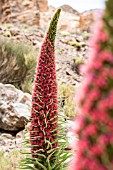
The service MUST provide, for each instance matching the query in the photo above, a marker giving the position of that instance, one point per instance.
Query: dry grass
(10, 160)
(24, 57)
(66, 103)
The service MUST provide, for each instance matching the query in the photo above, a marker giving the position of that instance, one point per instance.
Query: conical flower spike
(44, 116)
(95, 122)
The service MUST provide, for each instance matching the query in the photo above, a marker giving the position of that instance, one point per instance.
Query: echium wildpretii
(48, 141)
(95, 122)
(44, 115)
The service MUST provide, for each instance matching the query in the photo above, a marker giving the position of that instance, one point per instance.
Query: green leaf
(42, 166)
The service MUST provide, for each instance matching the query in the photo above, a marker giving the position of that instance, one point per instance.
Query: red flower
(44, 98)
(95, 122)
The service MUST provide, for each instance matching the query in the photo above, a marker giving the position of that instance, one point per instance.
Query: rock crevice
(19, 11)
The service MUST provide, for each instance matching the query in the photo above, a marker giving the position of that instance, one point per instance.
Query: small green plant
(8, 25)
(64, 33)
(7, 34)
(86, 35)
(76, 44)
(30, 62)
(76, 63)
(66, 103)
(79, 60)
(61, 51)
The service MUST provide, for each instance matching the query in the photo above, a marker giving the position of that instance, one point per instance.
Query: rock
(2, 142)
(6, 139)
(70, 24)
(68, 8)
(88, 17)
(14, 108)
(20, 11)
(18, 142)
(6, 135)
(20, 134)
(1, 4)
(43, 5)
(65, 33)
(35, 42)
(14, 31)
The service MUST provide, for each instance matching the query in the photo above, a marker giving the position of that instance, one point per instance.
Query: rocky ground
(70, 48)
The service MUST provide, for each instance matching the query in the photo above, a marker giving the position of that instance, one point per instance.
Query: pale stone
(14, 108)
(20, 11)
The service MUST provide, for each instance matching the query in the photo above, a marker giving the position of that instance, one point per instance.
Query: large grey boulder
(14, 107)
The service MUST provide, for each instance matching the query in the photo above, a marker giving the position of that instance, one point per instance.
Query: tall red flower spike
(44, 115)
(95, 122)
